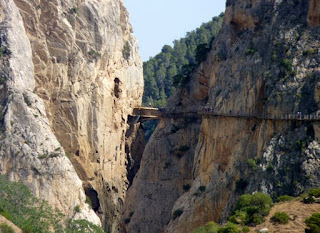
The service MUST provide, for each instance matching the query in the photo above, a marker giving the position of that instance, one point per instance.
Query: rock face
(263, 66)
(70, 75)
(29, 150)
(314, 13)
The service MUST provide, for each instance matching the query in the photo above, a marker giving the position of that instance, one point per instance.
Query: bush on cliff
(280, 217)
(314, 192)
(212, 227)
(4, 228)
(313, 223)
(284, 198)
(251, 209)
(34, 215)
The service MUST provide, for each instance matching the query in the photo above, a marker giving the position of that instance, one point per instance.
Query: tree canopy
(164, 72)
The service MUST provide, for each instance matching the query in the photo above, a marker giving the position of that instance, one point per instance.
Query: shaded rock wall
(265, 63)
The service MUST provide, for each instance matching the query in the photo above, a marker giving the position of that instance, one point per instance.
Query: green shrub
(94, 54)
(239, 217)
(210, 227)
(5, 214)
(284, 198)
(270, 168)
(313, 223)
(80, 226)
(312, 51)
(34, 215)
(4, 52)
(88, 201)
(126, 51)
(280, 217)
(6, 228)
(257, 219)
(2, 80)
(303, 195)
(252, 163)
(251, 50)
(314, 192)
(77, 209)
(308, 200)
(251, 209)
(245, 229)
(27, 228)
(202, 52)
(27, 211)
(186, 187)
(181, 79)
(286, 64)
(229, 228)
(73, 10)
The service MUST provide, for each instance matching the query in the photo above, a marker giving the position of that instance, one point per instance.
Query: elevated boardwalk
(141, 114)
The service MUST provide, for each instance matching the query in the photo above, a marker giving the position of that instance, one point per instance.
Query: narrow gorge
(71, 75)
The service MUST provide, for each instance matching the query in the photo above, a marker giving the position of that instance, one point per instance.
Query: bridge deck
(145, 114)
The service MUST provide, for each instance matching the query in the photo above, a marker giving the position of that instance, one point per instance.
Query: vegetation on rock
(212, 227)
(5, 228)
(172, 65)
(80, 226)
(313, 223)
(31, 214)
(285, 198)
(251, 209)
(280, 217)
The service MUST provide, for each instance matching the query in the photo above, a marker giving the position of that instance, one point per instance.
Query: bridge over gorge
(141, 114)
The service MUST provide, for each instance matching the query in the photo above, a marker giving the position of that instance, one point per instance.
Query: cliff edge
(70, 75)
(263, 66)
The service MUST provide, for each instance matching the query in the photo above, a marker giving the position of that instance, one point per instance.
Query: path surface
(146, 113)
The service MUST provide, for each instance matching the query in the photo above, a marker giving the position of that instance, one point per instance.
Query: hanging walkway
(141, 114)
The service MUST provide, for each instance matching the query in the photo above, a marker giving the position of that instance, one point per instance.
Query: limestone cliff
(70, 75)
(264, 65)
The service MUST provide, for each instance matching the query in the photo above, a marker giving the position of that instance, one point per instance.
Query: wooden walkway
(141, 114)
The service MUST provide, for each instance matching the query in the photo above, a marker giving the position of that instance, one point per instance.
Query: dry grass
(297, 211)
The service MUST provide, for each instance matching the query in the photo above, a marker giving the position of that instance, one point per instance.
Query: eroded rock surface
(263, 66)
(71, 76)
(29, 150)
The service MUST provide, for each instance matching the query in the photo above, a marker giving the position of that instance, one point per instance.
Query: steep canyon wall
(71, 73)
(264, 63)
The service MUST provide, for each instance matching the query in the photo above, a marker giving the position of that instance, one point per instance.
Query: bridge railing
(178, 111)
(297, 116)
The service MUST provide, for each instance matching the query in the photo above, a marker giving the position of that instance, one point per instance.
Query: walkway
(141, 114)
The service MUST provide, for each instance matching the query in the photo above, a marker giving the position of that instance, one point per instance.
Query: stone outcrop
(264, 63)
(314, 13)
(29, 150)
(70, 75)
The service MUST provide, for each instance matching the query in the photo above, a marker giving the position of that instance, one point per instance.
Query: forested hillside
(163, 73)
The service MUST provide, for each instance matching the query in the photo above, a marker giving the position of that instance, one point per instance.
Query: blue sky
(159, 22)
